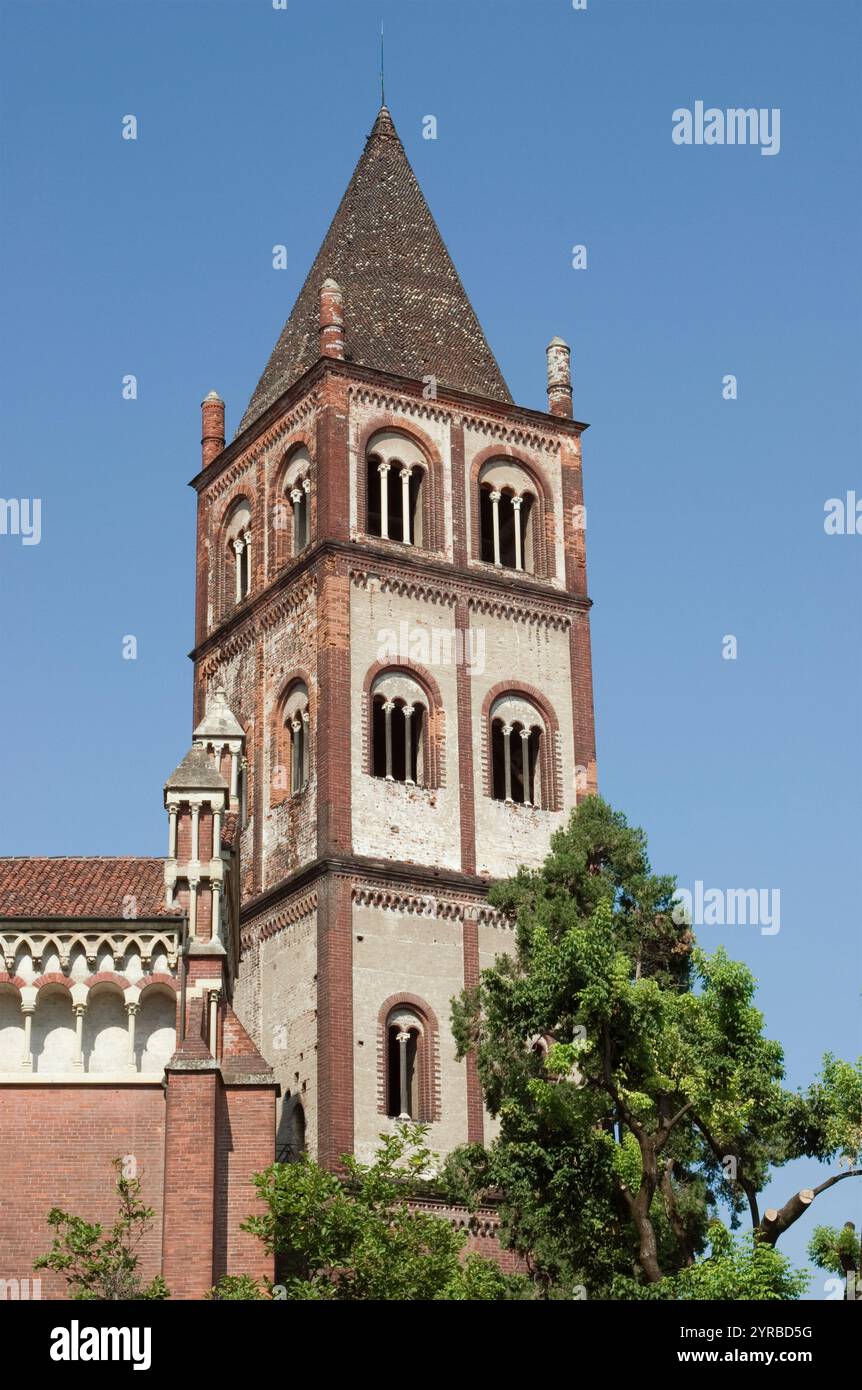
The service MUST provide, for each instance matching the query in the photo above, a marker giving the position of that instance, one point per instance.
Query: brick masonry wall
(56, 1147)
(327, 622)
(244, 1127)
(393, 952)
(392, 820)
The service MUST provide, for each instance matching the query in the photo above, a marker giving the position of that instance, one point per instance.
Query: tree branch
(776, 1221)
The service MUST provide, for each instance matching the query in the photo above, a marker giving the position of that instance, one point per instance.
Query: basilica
(392, 707)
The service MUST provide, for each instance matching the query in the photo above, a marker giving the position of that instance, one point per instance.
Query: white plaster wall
(393, 820)
(53, 1034)
(106, 1034)
(11, 1032)
(507, 836)
(155, 1032)
(404, 952)
(288, 1017)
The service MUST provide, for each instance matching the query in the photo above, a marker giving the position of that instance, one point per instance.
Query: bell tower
(391, 590)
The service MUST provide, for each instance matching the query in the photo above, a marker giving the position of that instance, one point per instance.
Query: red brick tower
(391, 587)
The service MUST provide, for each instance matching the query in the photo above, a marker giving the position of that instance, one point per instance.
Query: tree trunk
(648, 1254)
(676, 1222)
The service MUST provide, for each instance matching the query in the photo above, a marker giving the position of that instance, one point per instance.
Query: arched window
(290, 1139)
(517, 737)
(295, 755)
(293, 507)
(405, 1059)
(507, 507)
(399, 729)
(396, 486)
(237, 543)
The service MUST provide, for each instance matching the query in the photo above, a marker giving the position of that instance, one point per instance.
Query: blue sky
(705, 516)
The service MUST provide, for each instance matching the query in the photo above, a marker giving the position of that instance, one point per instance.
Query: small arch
(105, 1041)
(292, 511)
(236, 553)
(400, 490)
(156, 1028)
(512, 513)
(291, 739)
(290, 1139)
(412, 724)
(52, 1037)
(408, 1060)
(520, 734)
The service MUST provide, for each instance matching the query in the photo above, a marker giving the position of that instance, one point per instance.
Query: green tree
(356, 1235)
(839, 1252)
(104, 1266)
(630, 1073)
(735, 1268)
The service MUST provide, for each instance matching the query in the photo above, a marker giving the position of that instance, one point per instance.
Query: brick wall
(56, 1147)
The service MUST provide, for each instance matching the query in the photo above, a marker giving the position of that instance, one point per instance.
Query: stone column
(132, 1013)
(27, 1010)
(295, 755)
(238, 547)
(516, 507)
(193, 905)
(525, 765)
(405, 505)
(403, 1043)
(387, 714)
(296, 496)
(383, 470)
(507, 759)
(408, 746)
(79, 1012)
(495, 506)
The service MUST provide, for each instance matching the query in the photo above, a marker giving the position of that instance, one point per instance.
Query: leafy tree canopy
(357, 1235)
(630, 1074)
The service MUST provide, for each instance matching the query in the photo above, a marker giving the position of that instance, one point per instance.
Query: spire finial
(382, 87)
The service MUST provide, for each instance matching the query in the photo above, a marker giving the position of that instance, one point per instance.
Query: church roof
(82, 887)
(219, 720)
(196, 773)
(405, 309)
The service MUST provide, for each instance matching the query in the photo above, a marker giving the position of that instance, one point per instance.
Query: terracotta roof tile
(405, 309)
(82, 887)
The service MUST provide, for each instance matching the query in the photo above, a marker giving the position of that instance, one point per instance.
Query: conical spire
(405, 309)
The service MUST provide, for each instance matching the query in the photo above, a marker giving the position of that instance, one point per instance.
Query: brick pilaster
(334, 710)
(475, 1108)
(335, 1020)
(190, 1137)
(459, 494)
(466, 784)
